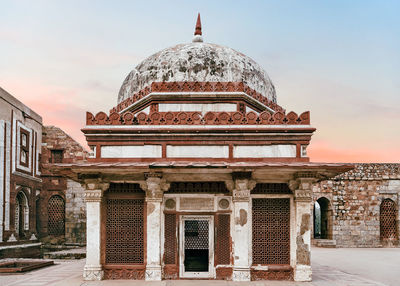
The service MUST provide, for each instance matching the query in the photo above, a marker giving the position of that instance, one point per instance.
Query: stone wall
(355, 198)
(75, 217)
(71, 192)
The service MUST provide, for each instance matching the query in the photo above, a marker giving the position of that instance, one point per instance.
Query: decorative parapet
(196, 118)
(197, 87)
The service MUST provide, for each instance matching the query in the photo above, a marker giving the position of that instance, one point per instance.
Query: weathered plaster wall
(355, 199)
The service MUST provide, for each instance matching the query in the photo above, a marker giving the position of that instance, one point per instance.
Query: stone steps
(75, 253)
(326, 243)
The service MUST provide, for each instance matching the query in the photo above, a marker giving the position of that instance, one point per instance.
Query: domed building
(198, 173)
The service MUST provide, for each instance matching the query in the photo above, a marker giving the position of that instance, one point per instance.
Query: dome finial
(197, 32)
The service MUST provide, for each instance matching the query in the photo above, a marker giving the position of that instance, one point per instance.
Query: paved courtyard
(343, 266)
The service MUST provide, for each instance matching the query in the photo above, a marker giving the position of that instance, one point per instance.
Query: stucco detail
(303, 251)
(242, 219)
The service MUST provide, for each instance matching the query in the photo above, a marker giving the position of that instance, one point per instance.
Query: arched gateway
(198, 173)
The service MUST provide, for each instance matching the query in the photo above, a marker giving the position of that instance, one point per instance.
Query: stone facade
(59, 147)
(20, 182)
(355, 198)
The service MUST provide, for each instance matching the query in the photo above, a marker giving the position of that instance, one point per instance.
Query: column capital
(301, 185)
(154, 186)
(93, 195)
(241, 189)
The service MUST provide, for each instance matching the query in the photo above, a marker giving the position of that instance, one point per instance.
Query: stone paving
(331, 267)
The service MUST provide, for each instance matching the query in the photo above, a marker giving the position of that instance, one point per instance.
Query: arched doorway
(56, 216)
(322, 219)
(388, 224)
(21, 214)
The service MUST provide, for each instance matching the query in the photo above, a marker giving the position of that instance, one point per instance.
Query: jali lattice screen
(125, 231)
(56, 216)
(388, 223)
(170, 243)
(223, 245)
(271, 231)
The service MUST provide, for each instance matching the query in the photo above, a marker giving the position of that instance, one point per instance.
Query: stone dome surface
(200, 62)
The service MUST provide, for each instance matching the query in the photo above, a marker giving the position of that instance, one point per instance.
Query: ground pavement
(331, 267)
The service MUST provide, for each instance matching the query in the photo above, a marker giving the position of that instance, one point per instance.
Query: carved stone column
(242, 185)
(302, 188)
(93, 269)
(154, 186)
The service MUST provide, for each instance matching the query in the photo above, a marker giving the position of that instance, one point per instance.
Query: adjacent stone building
(20, 182)
(34, 203)
(62, 212)
(358, 208)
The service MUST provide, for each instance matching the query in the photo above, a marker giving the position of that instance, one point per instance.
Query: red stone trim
(274, 272)
(196, 87)
(196, 118)
(132, 272)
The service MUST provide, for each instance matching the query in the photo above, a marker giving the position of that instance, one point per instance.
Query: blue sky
(338, 59)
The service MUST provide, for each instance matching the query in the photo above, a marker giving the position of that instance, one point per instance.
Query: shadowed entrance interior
(196, 246)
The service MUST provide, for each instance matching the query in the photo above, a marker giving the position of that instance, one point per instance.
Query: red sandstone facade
(198, 173)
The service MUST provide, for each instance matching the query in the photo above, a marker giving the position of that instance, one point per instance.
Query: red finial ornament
(198, 26)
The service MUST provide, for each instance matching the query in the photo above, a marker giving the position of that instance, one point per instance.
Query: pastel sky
(338, 59)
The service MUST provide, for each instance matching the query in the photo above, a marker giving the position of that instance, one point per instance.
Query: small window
(56, 156)
(24, 147)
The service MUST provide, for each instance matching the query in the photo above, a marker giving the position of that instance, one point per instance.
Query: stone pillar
(302, 188)
(242, 226)
(154, 187)
(93, 269)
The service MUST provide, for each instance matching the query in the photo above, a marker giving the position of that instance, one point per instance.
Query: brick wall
(355, 198)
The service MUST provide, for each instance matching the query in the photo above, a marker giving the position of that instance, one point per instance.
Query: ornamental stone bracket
(241, 186)
(154, 186)
(301, 185)
(94, 190)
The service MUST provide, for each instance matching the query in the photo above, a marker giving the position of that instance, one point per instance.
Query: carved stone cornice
(152, 175)
(93, 195)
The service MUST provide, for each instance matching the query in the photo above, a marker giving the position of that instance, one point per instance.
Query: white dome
(200, 62)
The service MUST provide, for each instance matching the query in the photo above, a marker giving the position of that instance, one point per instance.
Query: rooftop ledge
(197, 118)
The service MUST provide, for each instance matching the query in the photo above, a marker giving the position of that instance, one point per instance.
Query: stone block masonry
(355, 199)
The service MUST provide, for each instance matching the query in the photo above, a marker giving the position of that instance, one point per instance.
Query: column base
(94, 273)
(153, 273)
(302, 273)
(241, 274)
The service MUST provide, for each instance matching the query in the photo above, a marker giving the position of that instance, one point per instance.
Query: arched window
(56, 216)
(21, 214)
(322, 219)
(388, 224)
